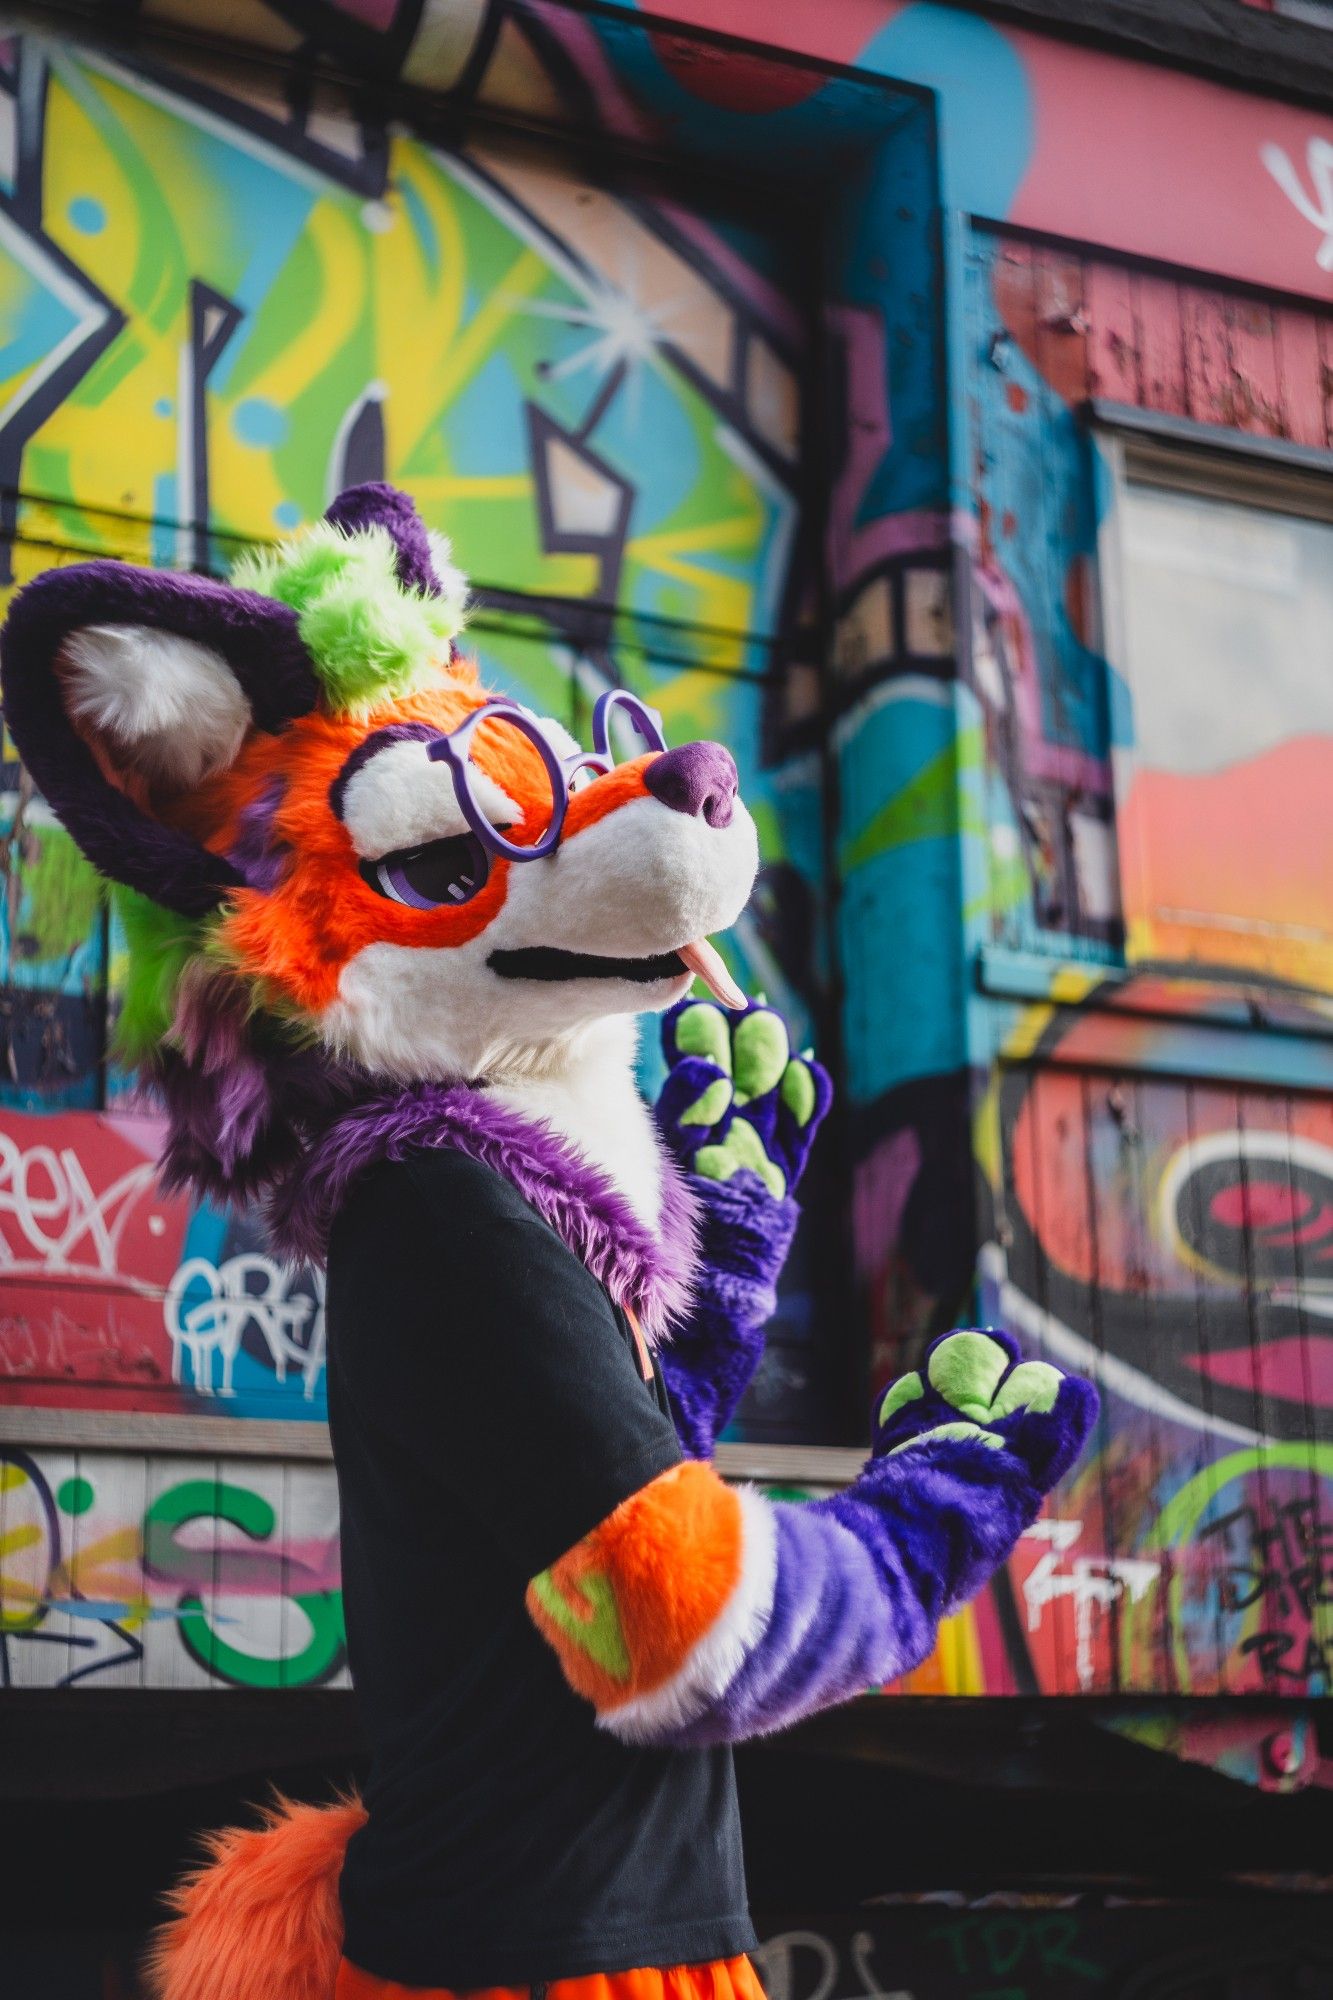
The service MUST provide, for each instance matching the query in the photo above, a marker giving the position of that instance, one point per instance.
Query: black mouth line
(546, 961)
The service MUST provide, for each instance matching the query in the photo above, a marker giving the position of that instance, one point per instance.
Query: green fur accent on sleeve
(160, 946)
(368, 638)
(597, 1631)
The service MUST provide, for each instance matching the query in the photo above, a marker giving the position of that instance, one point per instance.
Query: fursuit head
(338, 859)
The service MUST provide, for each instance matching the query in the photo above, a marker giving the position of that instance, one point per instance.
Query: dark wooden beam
(1224, 40)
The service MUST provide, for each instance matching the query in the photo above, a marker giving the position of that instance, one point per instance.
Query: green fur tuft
(369, 639)
(160, 944)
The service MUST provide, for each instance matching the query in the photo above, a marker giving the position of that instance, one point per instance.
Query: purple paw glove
(736, 1100)
(974, 1386)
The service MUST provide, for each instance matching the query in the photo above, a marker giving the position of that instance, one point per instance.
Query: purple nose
(698, 779)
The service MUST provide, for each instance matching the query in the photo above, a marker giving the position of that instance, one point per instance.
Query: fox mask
(257, 765)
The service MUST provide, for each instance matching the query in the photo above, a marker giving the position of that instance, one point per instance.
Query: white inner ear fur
(452, 582)
(556, 735)
(401, 799)
(161, 706)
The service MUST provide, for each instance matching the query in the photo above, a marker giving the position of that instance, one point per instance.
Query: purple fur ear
(256, 636)
(242, 1098)
(376, 505)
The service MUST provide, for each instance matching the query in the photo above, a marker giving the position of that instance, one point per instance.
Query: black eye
(440, 872)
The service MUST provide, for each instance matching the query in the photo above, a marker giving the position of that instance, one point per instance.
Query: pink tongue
(705, 960)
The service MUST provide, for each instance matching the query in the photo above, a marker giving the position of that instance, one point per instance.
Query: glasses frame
(452, 750)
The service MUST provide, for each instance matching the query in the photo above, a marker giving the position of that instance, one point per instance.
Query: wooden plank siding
(1159, 342)
(1168, 1224)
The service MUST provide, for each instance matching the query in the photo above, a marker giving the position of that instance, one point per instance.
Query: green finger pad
(967, 1369)
(798, 1091)
(961, 1432)
(1034, 1385)
(907, 1389)
(702, 1031)
(762, 1050)
(742, 1147)
(710, 1105)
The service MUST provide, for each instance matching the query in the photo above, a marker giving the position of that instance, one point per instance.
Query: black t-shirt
(488, 1409)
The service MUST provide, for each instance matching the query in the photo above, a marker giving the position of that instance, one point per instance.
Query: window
(1219, 587)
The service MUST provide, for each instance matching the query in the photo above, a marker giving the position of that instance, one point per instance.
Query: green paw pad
(742, 1147)
(991, 1439)
(762, 1051)
(701, 1030)
(711, 1105)
(907, 1389)
(798, 1091)
(1034, 1385)
(967, 1369)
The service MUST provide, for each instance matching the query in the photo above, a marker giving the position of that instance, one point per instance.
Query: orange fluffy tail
(260, 1920)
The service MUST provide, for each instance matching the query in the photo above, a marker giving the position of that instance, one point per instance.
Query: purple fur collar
(649, 1273)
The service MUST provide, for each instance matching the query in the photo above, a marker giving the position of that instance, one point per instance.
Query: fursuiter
(389, 935)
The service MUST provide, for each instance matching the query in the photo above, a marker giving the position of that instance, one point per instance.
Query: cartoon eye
(442, 871)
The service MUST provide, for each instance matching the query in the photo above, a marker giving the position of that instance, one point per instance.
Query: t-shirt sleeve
(468, 1338)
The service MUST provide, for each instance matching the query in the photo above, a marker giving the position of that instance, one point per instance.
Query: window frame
(1208, 462)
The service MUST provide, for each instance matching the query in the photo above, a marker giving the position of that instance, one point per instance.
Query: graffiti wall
(1169, 1565)
(1170, 1233)
(228, 298)
(948, 1946)
(735, 406)
(1203, 175)
(168, 1572)
(115, 1295)
(1151, 1151)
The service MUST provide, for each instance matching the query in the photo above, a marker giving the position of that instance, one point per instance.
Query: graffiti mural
(234, 301)
(131, 1572)
(1169, 1233)
(805, 458)
(492, 332)
(952, 1947)
(114, 1295)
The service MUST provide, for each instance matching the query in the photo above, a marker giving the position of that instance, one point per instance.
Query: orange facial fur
(297, 937)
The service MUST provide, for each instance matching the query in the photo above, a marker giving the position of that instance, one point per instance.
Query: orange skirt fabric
(722, 1979)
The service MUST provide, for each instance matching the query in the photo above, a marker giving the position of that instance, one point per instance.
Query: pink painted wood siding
(1158, 342)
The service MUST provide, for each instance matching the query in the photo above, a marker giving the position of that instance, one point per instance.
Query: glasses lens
(509, 779)
(631, 729)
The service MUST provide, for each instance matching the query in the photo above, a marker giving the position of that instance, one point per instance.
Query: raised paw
(735, 1098)
(974, 1386)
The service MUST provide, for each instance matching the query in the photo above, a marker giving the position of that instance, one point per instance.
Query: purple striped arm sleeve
(847, 1593)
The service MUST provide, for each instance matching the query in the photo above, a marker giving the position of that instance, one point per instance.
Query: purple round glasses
(453, 750)
(601, 759)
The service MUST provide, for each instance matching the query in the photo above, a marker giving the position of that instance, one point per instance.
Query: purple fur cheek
(260, 856)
